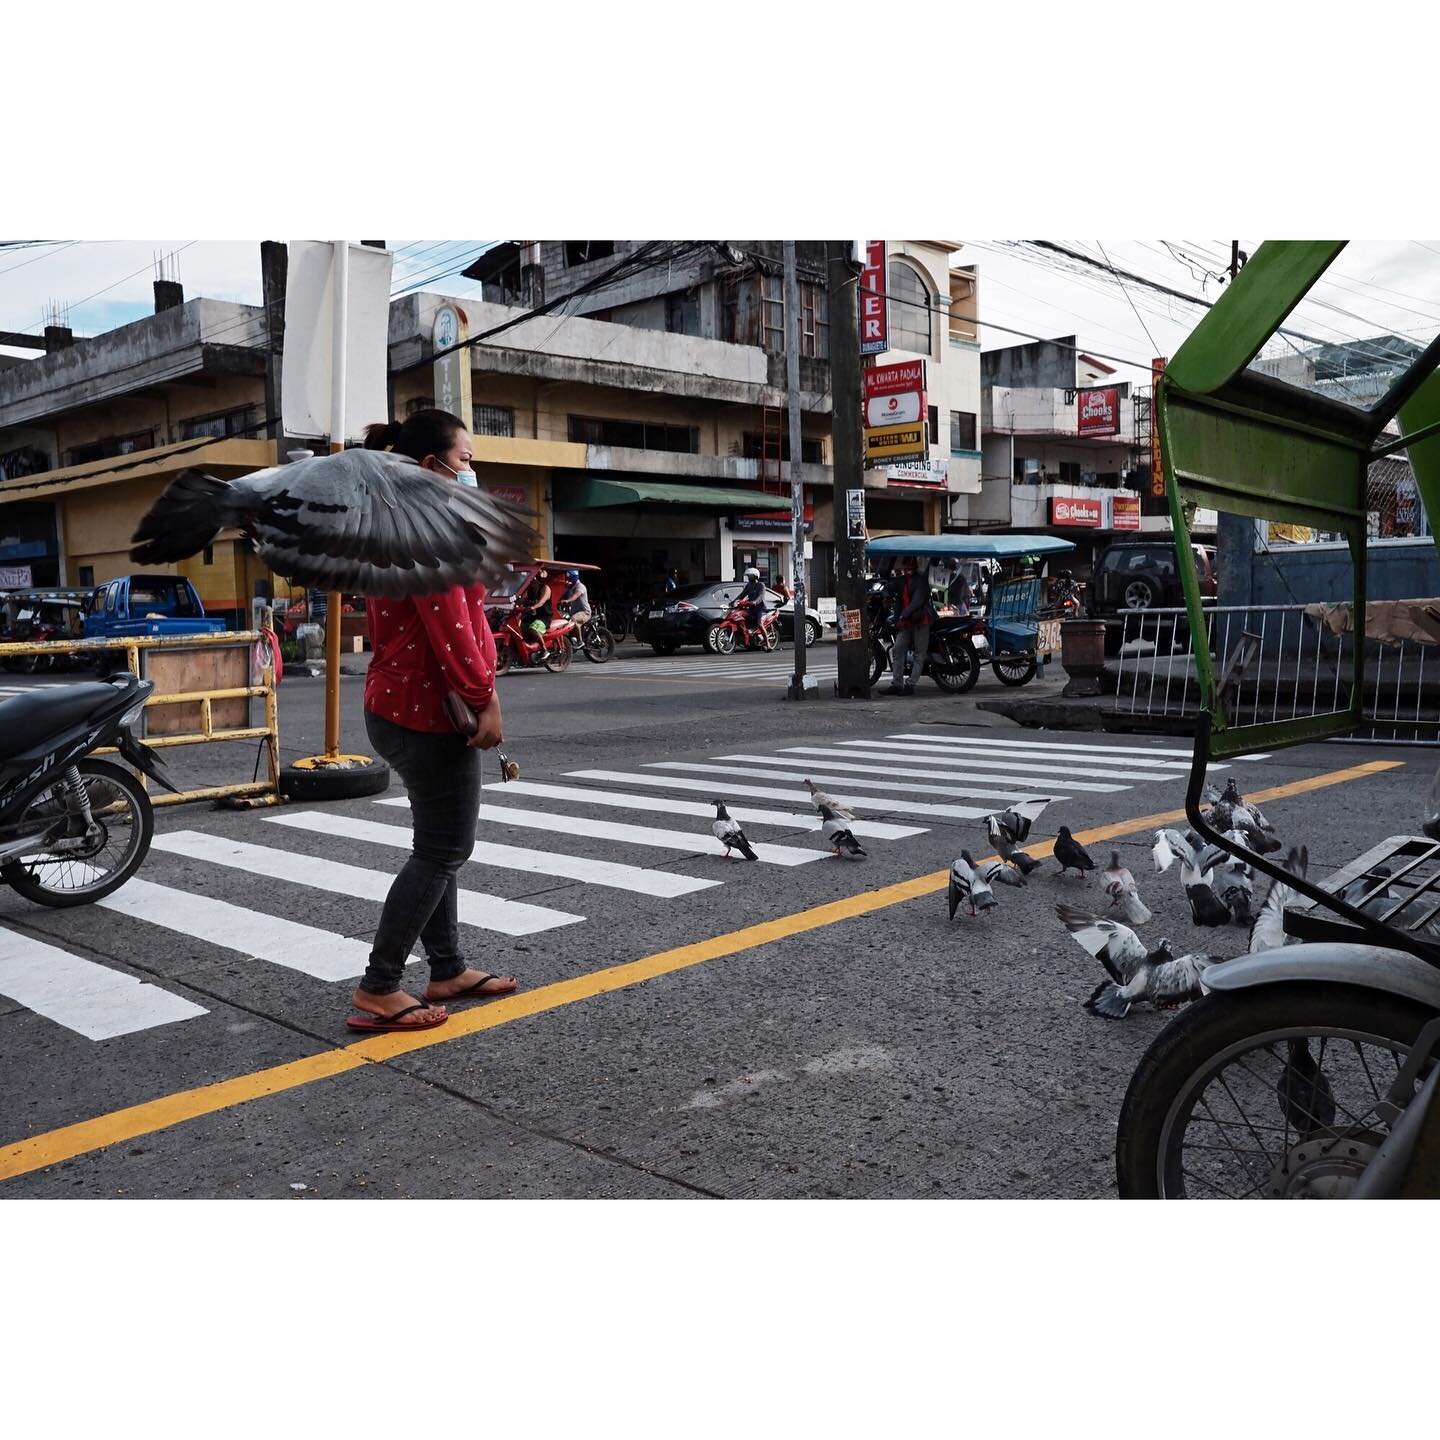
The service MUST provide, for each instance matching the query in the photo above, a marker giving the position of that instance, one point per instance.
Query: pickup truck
(147, 605)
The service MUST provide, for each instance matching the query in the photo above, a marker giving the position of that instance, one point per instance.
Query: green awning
(594, 494)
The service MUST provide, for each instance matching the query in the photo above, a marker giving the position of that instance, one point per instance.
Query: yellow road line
(35, 1153)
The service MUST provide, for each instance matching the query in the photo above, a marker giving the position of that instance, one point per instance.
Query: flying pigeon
(1268, 930)
(821, 800)
(1206, 907)
(1070, 853)
(838, 835)
(997, 872)
(1008, 829)
(1306, 1100)
(967, 884)
(1123, 892)
(366, 522)
(729, 833)
(1136, 973)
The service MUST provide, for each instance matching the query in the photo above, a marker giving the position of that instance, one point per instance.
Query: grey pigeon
(997, 872)
(1228, 811)
(365, 522)
(1120, 886)
(838, 835)
(1197, 874)
(1136, 972)
(729, 833)
(1267, 931)
(1070, 853)
(968, 885)
(1008, 829)
(820, 799)
(1234, 880)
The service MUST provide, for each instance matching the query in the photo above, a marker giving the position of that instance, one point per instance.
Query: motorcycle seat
(27, 720)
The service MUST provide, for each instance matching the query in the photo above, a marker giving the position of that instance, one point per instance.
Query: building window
(105, 449)
(635, 434)
(814, 322)
(493, 420)
(910, 318)
(209, 556)
(682, 313)
(772, 313)
(934, 424)
(87, 574)
(962, 430)
(581, 252)
(812, 451)
(1070, 472)
(218, 427)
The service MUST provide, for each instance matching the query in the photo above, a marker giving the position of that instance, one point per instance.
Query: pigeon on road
(1009, 829)
(1228, 811)
(1267, 932)
(1120, 886)
(967, 884)
(1234, 882)
(1136, 973)
(1070, 853)
(365, 522)
(1197, 878)
(838, 835)
(729, 833)
(997, 872)
(820, 800)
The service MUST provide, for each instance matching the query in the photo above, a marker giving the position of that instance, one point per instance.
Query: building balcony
(1006, 410)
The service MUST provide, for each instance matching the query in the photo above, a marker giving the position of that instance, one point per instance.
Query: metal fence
(1272, 662)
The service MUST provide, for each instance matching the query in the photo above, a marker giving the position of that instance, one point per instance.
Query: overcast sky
(1374, 287)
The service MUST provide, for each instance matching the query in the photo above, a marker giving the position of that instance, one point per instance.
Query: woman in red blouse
(423, 647)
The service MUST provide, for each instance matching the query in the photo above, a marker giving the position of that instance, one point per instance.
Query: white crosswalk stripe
(972, 763)
(1156, 769)
(870, 829)
(608, 873)
(90, 999)
(1033, 784)
(720, 667)
(961, 792)
(487, 912)
(980, 743)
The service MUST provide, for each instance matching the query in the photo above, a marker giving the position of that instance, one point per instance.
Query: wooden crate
(181, 671)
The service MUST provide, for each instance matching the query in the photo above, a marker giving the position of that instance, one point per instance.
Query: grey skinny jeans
(441, 774)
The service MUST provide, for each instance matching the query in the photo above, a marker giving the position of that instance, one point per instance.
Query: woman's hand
(490, 731)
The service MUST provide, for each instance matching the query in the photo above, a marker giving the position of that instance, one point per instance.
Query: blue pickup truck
(147, 605)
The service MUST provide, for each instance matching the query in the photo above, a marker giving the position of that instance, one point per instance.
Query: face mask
(465, 477)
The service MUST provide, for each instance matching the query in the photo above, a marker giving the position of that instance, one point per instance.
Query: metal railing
(1272, 662)
(259, 792)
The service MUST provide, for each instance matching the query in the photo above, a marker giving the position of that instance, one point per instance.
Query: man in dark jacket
(912, 628)
(753, 598)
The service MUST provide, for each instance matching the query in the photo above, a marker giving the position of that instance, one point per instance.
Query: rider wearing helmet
(753, 597)
(575, 601)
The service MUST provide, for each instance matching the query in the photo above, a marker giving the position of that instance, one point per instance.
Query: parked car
(685, 617)
(1141, 575)
(148, 605)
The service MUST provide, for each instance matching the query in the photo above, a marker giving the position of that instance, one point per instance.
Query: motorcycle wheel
(1205, 1118)
(879, 662)
(127, 823)
(557, 660)
(769, 639)
(503, 656)
(599, 644)
(954, 667)
(721, 639)
(1014, 669)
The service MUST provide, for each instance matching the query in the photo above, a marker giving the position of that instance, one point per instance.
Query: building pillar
(727, 550)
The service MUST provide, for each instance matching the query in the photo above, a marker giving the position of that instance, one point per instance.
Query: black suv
(1141, 575)
(685, 618)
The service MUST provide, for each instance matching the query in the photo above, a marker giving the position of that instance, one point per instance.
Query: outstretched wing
(369, 522)
(1028, 812)
(1117, 947)
(1176, 980)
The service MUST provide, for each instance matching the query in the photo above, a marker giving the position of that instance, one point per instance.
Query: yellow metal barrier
(258, 792)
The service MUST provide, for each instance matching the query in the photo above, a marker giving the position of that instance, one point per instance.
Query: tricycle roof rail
(970, 547)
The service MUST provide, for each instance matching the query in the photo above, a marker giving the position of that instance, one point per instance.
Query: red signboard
(874, 321)
(1157, 470)
(1125, 512)
(894, 379)
(1097, 412)
(1065, 511)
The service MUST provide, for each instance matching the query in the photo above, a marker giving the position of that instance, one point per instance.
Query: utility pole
(853, 661)
(797, 690)
(1237, 259)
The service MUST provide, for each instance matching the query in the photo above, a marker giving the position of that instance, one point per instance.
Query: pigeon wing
(1117, 947)
(1175, 980)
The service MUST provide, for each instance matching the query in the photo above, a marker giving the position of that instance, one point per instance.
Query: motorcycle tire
(721, 639)
(879, 662)
(557, 660)
(503, 656)
(769, 639)
(954, 667)
(23, 879)
(598, 643)
(1015, 669)
(1174, 1073)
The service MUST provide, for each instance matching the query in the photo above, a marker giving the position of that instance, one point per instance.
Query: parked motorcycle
(735, 630)
(952, 661)
(74, 828)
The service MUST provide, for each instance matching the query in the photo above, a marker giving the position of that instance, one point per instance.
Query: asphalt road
(687, 1026)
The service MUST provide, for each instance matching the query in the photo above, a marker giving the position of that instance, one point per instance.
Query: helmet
(1064, 575)
(751, 572)
(572, 574)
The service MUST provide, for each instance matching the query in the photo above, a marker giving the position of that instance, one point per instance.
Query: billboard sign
(874, 321)
(1124, 512)
(1157, 469)
(1097, 412)
(1083, 513)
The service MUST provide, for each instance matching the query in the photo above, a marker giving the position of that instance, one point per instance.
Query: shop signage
(452, 371)
(15, 577)
(1124, 512)
(515, 494)
(1067, 511)
(927, 475)
(894, 379)
(895, 420)
(1157, 469)
(767, 520)
(874, 323)
(896, 444)
(1097, 412)
(893, 409)
(855, 514)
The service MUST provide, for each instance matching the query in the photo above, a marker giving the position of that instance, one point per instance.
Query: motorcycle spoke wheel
(1014, 669)
(558, 660)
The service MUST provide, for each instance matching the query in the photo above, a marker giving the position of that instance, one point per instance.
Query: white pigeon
(997, 872)
(1267, 932)
(967, 884)
(820, 799)
(728, 832)
(1124, 893)
(365, 522)
(838, 835)
(1196, 877)
(1136, 972)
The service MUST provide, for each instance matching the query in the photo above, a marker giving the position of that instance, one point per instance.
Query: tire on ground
(334, 782)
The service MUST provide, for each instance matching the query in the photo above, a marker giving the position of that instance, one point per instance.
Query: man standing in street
(912, 629)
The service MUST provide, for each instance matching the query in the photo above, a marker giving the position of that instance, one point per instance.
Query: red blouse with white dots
(424, 646)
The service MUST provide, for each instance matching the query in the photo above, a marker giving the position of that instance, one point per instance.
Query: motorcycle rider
(752, 597)
(575, 602)
(910, 595)
(1066, 592)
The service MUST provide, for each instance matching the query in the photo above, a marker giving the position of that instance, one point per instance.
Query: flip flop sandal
(392, 1022)
(477, 991)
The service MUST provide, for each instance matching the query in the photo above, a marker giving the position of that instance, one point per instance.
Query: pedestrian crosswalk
(774, 665)
(642, 831)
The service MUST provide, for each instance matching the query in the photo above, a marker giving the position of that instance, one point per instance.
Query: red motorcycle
(513, 646)
(735, 629)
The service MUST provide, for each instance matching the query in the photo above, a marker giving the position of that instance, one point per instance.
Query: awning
(594, 494)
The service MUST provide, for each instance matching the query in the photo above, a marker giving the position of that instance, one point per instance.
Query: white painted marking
(968, 756)
(1030, 764)
(311, 951)
(1044, 745)
(90, 999)
(507, 857)
(694, 843)
(488, 912)
(872, 829)
(1035, 784)
(766, 792)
